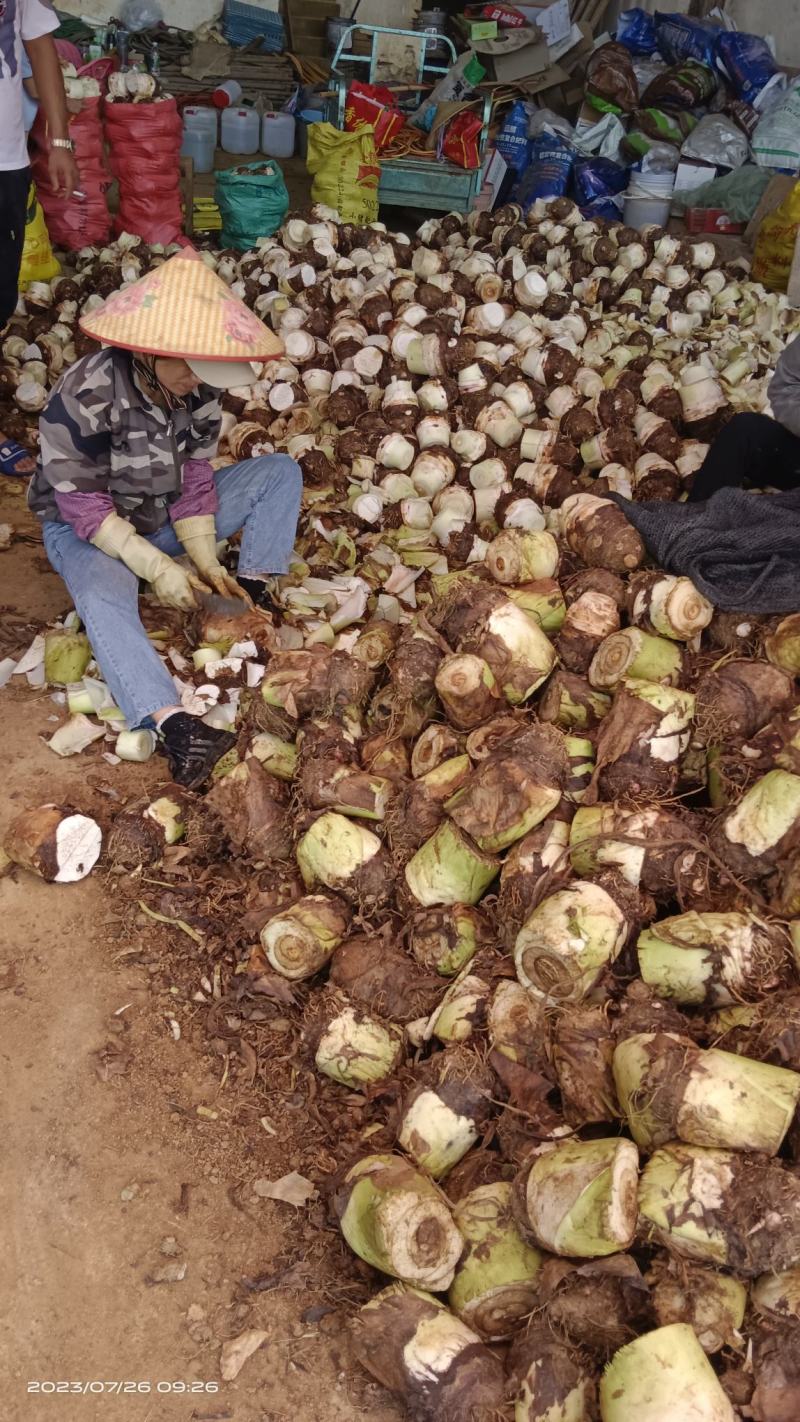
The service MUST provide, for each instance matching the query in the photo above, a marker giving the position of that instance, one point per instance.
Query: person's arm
(193, 513)
(198, 494)
(49, 83)
(784, 388)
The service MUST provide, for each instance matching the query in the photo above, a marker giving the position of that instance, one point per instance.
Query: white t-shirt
(19, 20)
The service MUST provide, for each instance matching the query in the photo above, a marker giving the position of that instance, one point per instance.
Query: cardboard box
(552, 17)
(711, 219)
(473, 29)
(494, 170)
(515, 54)
(690, 175)
(587, 118)
(481, 29)
(550, 78)
(507, 16)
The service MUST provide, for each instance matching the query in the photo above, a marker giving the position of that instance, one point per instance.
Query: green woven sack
(253, 201)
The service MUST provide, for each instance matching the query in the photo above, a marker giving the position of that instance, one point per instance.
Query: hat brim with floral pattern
(182, 309)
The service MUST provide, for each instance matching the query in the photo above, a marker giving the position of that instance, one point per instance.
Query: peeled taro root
(641, 742)
(443, 1118)
(495, 1284)
(534, 867)
(713, 957)
(671, 1090)
(345, 856)
(722, 1207)
(54, 842)
(437, 1365)
(758, 833)
(578, 1198)
(661, 1373)
(396, 1219)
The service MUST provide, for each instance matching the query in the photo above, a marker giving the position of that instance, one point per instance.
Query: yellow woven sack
(345, 169)
(38, 262)
(775, 243)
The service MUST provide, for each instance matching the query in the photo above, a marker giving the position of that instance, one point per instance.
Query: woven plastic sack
(38, 262)
(253, 201)
(775, 243)
(776, 141)
(345, 170)
(145, 147)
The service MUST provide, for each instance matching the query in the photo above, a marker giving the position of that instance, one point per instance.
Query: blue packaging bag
(548, 172)
(748, 62)
(512, 140)
(598, 186)
(679, 37)
(637, 31)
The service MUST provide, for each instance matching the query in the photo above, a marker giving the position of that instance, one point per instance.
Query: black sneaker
(262, 594)
(193, 748)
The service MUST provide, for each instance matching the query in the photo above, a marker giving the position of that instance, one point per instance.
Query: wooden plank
(187, 194)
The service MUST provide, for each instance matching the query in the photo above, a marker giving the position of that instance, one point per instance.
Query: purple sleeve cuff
(199, 493)
(85, 511)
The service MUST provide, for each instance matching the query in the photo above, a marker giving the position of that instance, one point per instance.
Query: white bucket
(648, 199)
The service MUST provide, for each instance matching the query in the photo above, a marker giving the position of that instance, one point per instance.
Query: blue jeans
(260, 496)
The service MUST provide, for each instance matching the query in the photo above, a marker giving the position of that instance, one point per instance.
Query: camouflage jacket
(100, 435)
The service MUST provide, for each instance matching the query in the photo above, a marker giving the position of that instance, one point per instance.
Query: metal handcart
(408, 181)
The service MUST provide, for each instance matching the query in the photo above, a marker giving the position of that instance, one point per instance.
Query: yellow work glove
(171, 584)
(199, 537)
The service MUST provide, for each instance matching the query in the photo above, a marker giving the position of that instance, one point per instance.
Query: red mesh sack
(144, 155)
(81, 222)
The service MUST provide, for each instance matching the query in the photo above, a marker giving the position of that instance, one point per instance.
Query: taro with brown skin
(578, 424)
(378, 976)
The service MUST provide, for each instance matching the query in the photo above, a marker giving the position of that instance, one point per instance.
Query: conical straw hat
(182, 309)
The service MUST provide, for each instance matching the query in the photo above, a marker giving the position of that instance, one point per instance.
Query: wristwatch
(62, 143)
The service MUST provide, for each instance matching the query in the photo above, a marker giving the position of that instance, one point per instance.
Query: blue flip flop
(12, 454)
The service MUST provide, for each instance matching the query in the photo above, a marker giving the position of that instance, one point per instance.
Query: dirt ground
(133, 1243)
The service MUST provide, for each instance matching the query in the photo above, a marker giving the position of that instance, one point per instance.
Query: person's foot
(193, 748)
(263, 594)
(15, 462)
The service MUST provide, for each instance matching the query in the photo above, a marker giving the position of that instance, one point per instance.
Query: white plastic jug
(241, 130)
(201, 119)
(277, 135)
(199, 145)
